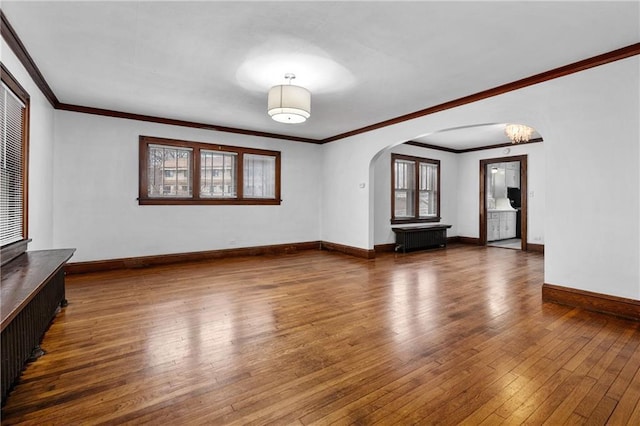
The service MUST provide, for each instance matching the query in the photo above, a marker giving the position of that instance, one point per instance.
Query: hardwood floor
(449, 336)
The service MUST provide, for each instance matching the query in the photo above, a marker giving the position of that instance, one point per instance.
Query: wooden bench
(31, 293)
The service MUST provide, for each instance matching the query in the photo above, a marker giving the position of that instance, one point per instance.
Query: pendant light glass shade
(289, 104)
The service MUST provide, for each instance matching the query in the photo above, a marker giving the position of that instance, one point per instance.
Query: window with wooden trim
(14, 119)
(184, 172)
(415, 189)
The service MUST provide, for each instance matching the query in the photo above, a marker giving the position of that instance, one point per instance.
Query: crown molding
(499, 145)
(13, 84)
(14, 42)
(16, 45)
(605, 58)
(429, 146)
(175, 122)
(462, 151)
(19, 49)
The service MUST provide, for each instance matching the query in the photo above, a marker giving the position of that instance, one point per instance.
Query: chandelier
(518, 133)
(288, 103)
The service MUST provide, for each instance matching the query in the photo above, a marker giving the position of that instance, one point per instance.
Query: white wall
(590, 123)
(593, 183)
(96, 186)
(346, 160)
(460, 189)
(41, 122)
(589, 120)
(382, 183)
(468, 191)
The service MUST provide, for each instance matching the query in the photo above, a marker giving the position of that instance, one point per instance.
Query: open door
(503, 201)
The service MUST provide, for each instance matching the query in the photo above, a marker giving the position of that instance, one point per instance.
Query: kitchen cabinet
(493, 227)
(512, 175)
(501, 225)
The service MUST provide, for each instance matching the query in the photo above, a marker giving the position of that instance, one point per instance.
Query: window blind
(11, 164)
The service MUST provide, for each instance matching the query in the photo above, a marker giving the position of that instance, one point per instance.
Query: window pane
(416, 189)
(405, 174)
(428, 189)
(169, 172)
(428, 203)
(259, 176)
(403, 204)
(404, 188)
(218, 174)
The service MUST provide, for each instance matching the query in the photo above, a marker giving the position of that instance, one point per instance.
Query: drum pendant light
(288, 103)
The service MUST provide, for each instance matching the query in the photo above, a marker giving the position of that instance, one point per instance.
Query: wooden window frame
(12, 83)
(195, 199)
(416, 195)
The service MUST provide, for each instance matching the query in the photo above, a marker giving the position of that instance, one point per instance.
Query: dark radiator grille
(425, 239)
(414, 238)
(26, 330)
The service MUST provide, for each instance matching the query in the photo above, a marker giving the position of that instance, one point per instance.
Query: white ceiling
(364, 62)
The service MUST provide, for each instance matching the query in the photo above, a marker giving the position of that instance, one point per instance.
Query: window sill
(414, 220)
(206, 202)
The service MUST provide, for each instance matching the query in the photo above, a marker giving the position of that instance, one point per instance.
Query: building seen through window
(183, 172)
